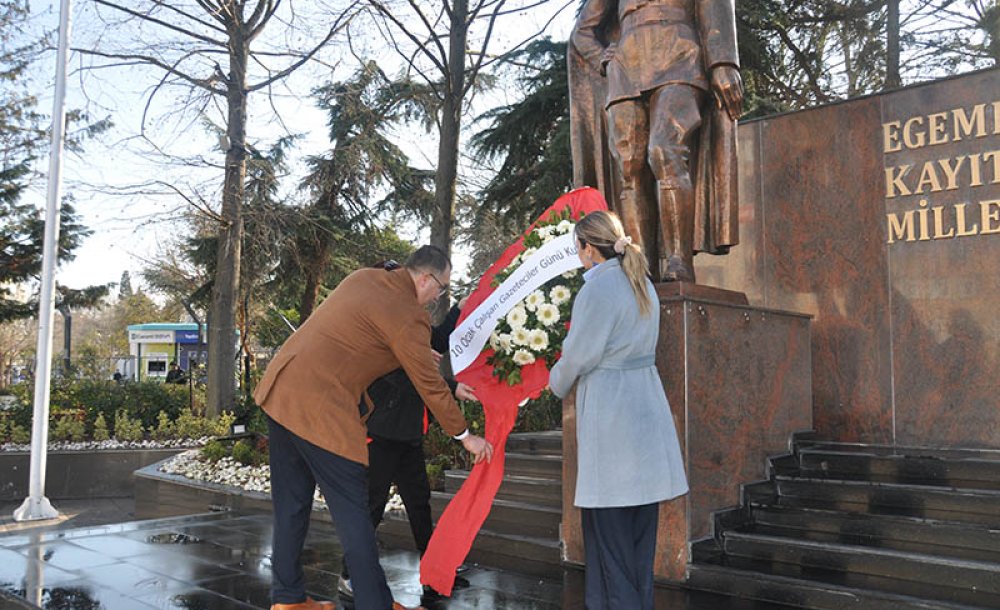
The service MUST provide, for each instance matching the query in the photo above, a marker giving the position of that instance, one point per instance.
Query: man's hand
(728, 88)
(436, 355)
(479, 447)
(462, 302)
(465, 392)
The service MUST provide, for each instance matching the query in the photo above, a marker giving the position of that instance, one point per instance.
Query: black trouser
(296, 467)
(400, 462)
(619, 550)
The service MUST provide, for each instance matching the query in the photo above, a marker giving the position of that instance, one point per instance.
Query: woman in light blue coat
(628, 458)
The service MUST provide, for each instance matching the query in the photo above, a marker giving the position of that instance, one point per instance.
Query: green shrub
(189, 425)
(435, 476)
(67, 428)
(243, 452)
(20, 434)
(101, 429)
(126, 428)
(439, 444)
(215, 450)
(3, 429)
(221, 425)
(164, 428)
(142, 401)
(541, 414)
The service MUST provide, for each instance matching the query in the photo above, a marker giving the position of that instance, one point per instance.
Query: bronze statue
(655, 92)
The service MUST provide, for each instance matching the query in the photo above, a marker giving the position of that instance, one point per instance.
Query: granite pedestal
(739, 382)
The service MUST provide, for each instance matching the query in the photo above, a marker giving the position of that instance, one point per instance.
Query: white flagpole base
(35, 509)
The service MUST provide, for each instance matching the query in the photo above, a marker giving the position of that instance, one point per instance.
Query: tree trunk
(451, 127)
(314, 277)
(892, 80)
(442, 225)
(222, 331)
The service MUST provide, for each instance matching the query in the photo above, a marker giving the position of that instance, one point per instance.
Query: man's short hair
(429, 259)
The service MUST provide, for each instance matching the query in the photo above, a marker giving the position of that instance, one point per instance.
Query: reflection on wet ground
(222, 562)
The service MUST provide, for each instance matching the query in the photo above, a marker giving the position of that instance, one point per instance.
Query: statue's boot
(637, 214)
(677, 223)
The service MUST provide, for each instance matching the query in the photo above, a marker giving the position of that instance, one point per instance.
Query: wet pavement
(221, 562)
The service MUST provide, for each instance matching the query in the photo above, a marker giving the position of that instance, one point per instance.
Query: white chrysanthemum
(523, 357)
(545, 231)
(520, 335)
(548, 238)
(538, 340)
(570, 274)
(560, 294)
(495, 341)
(547, 314)
(533, 300)
(564, 227)
(517, 317)
(528, 252)
(506, 342)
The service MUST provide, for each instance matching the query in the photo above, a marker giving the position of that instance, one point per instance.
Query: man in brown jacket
(374, 322)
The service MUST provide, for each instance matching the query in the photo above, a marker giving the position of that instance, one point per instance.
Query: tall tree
(125, 285)
(433, 38)
(185, 41)
(529, 138)
(362, 162)
(22, 138)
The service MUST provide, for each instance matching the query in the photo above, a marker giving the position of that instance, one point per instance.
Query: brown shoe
(309, 604)
(399, 606)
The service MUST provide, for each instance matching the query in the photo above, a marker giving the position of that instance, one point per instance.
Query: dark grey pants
(619, 550)
(296, 467)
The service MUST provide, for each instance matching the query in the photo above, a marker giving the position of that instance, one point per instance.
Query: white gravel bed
(228, 471)
(112, 444)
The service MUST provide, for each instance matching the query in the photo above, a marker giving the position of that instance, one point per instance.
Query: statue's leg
(675, 115)
(628, 127)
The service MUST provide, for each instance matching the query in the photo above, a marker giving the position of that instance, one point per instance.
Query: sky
(110, 181)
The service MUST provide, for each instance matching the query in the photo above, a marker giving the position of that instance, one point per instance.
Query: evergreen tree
(362, 161)
(125, 286)
(22, 139)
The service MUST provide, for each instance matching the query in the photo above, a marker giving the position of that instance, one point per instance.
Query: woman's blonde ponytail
(636, 269)
(603, 230)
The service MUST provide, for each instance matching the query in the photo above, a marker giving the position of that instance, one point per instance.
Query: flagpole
(36, 506)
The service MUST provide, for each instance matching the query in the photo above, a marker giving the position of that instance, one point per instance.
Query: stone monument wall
(880, 217)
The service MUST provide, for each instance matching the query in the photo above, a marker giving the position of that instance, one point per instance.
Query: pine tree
(125, 286)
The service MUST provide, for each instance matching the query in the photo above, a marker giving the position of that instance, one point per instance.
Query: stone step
(534, 465)
(946, 579)
(912, 466)
(511, 517)
(538, 443)
(792, 585)
(531, 490)
(524, 554)
(901, 533)
(924, 501)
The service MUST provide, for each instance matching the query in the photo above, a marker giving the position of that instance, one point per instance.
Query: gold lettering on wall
(963, 231)
(930, 220)
(948, 222)
(966, 124)
(897, 227)
(939, 224)
(989, 216)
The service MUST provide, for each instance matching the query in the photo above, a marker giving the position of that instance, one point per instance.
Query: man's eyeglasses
(441, 287)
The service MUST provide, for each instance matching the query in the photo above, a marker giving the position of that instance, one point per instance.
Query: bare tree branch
(161, 23)
(206, 84)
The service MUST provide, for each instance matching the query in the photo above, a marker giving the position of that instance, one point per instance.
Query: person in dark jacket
(396, 429)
